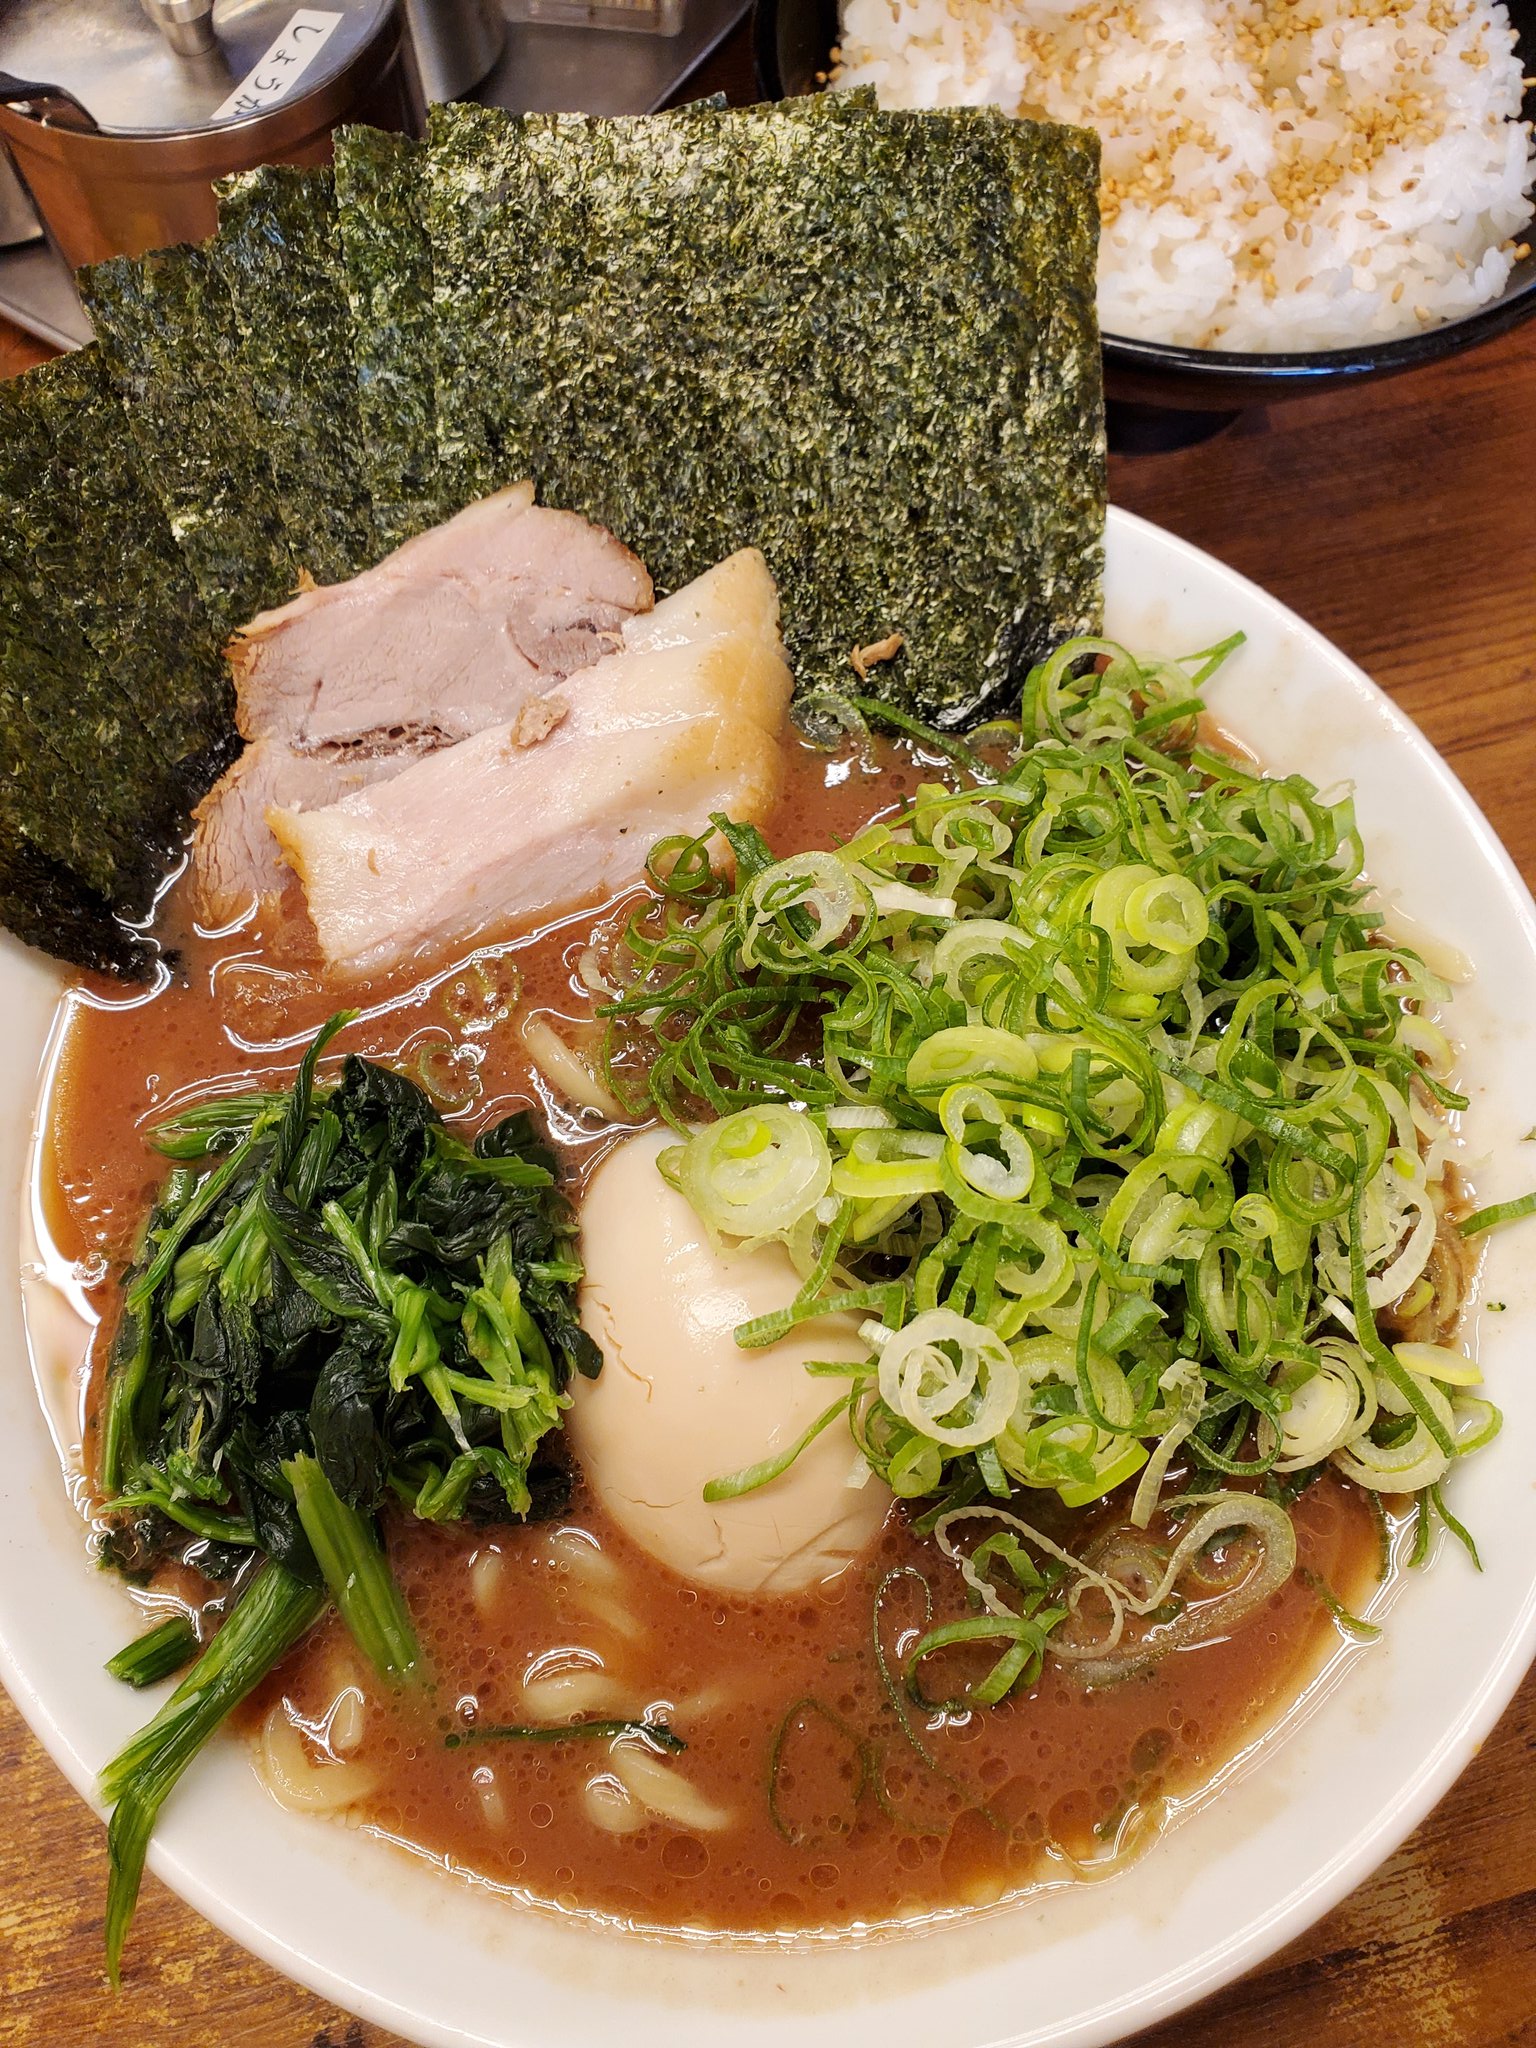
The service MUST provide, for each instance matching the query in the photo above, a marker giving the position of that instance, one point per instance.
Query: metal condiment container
(457, 42)
(18, 222)
(120, 114)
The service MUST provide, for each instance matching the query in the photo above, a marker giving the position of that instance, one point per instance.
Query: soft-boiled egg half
(679, 1403)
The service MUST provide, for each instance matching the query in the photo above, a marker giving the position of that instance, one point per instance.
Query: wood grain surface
(1400, 518)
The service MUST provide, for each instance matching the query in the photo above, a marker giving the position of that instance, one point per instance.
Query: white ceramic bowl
(444, 1962)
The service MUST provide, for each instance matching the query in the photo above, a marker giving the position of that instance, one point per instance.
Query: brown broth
(865, 1828)
(1060, 1772)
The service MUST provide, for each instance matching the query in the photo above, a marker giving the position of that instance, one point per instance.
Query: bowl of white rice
(1294, 192)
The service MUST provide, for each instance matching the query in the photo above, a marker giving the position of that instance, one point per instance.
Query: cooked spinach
(159, 1653)
(337, 1304)
(276, 1609)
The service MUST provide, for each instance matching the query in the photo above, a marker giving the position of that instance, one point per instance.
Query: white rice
(1298, 175)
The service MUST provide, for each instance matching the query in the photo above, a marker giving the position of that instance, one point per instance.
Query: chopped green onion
(928, 736)
(1358, 1630)
(657, 1733)
(1463, 1537)
(735, 1484)
(1497, 1213)
(1093, 1083)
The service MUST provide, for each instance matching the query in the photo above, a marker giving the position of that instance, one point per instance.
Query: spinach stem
(165, 1648)
(273, 1613)
(352, 1560)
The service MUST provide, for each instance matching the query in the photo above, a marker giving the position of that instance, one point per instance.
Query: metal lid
(158, 67)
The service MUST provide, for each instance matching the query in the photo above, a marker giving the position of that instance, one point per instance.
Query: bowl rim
(1398, 352)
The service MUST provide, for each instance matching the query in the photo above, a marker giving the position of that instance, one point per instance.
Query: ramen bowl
(1290, 1825)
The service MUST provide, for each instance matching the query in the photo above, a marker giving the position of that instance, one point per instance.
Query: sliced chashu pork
(349, 683)
(237, 860)
(534, 817)
(447, 635)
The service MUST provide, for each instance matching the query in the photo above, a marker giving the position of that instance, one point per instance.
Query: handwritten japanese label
(279, 71)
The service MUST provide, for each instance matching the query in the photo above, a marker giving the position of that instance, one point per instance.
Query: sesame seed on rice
(1277, 173)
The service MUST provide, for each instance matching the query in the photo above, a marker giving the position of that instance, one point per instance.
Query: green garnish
(356, 1571)
(737, 1483)
(1022, 1633)
(1497, 1213)
(869, 1771)
(1429, 1507)
(657, 1733)
(165, 1648)
(868, 1764)
(337, 1304)
(276, 1609)
(1359, 1631)
(1094, 1087)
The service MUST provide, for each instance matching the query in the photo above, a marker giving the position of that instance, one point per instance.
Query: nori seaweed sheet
(50, 844)
(114, 705)
(965, 422)
(1056, 179)
(83, 777)
(477, 171)
(277, 248)
(834, 333)
(129, 588)
(387, 271)
(166, 327)
(53, 742)
(556, 241)
(575, 342)
(48, 906)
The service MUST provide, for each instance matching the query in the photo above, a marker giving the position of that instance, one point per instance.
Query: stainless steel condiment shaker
(120, 114)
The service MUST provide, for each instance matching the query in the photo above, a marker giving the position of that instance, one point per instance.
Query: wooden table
(1401, 519)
